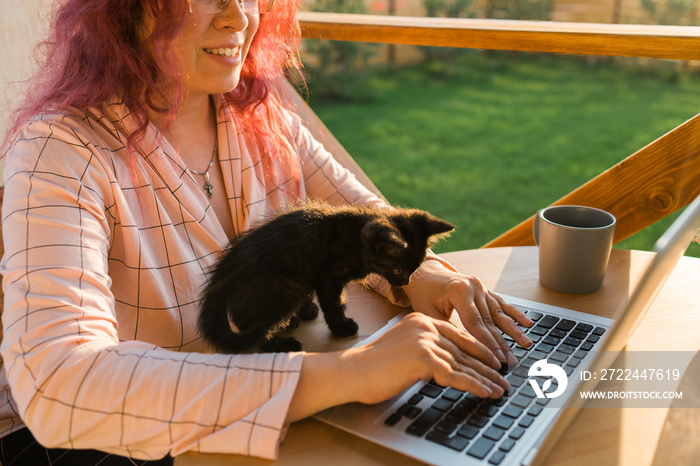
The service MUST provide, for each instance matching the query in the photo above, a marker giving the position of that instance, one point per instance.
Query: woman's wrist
(326, 380)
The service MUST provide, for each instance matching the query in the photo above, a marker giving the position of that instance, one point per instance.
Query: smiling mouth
(224, 51)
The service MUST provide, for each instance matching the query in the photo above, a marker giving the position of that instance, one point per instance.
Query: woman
(153, 134)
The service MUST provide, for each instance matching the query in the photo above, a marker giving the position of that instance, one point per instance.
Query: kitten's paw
(293, 323)
(308, 313)
(278, 344)
(345, 327)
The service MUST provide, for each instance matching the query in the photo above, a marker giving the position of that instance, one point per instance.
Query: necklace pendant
(210, 189)
(208, 186)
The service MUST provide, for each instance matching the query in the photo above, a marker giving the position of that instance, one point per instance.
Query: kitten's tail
(215, 327)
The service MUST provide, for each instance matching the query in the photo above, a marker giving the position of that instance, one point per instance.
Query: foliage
(343, 60)
(519, 9)
(673, 12)
(443, 57)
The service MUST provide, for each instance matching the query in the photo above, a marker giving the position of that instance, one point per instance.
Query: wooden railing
(645, 187)
(676, 42)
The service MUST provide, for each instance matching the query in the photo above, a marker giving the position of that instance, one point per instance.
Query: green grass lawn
(505, 134)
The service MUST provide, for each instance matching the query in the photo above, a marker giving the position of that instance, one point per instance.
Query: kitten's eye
(398, 271)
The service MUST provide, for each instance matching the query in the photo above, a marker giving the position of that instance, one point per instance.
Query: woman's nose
(232, 17)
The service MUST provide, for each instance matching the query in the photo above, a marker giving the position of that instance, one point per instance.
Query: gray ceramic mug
(575, 244)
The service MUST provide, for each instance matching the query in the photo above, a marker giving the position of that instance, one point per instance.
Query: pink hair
(94, 54)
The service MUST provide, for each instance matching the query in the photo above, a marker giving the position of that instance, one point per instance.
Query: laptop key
(404, 409)
(430, 391)
(481, 448)
(520, 401)
(598, 331)
(579, 334)
(516, 433)
(557, 333)
(456, 442)
(478, 420)
(572, 341)
(548, 322)
(515, 381)
(442, 404)
(566, 325)
(468, 431)
(497, 457)
(452, 394)
(550, 340)
(584, 327)
(568, 349)
(507, 445)
(526, 421)
(413, 412)
(513, 411)
(393, 419)
(544, 347)
(488, 410)
(504, 422)
(534, 315)
(445, 427)
(573, 362)
(527, 362)
(467, 405)
(424, 422)
(528, 391)
(494, 433)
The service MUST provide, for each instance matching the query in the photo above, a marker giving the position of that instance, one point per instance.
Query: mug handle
(536, 228)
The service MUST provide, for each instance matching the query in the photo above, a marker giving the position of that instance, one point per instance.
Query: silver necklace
(208, 187)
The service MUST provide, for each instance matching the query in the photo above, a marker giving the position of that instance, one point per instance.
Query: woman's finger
(473, 321)
(490, 309)
(506, 324)
(468, 343)
(457, 370)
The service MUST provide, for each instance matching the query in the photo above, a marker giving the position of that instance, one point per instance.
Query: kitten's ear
(431, 225)
(383, 239)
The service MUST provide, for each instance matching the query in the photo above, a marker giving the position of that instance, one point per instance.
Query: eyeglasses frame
(269, 6)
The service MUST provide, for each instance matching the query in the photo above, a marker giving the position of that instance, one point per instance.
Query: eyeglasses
(214, 7)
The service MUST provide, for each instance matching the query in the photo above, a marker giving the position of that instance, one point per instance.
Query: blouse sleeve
(78, 386)
(324, 177)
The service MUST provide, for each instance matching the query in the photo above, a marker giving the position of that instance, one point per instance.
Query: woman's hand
(437, 291)
(416, 348)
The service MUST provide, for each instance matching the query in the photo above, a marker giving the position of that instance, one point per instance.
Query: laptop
(443, 426)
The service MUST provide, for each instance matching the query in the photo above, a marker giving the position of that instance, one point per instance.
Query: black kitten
(269, 274)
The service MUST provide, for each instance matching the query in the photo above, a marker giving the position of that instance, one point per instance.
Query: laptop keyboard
(488, 428)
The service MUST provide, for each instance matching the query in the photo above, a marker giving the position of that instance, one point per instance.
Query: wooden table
(596, 436)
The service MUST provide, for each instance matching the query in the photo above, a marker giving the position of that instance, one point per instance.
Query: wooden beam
(647, 186)
(672, 42)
